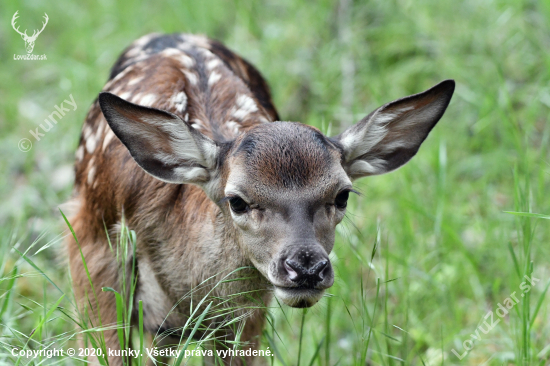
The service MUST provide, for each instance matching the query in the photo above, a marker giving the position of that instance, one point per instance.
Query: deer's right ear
(160, 142)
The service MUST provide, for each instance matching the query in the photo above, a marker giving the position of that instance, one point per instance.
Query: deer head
(282, 186)
(29, 41)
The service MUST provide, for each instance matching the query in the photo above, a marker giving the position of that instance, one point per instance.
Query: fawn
(184, 143)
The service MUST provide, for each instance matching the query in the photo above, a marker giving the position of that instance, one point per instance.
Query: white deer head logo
(29, 41)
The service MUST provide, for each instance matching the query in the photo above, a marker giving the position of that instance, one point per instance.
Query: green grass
(424, 253)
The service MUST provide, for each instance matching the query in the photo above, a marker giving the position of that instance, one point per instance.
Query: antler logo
(29, 41)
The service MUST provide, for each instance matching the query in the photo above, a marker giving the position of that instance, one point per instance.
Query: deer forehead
(285, 158)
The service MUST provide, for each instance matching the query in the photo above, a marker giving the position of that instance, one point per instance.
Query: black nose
(305, 276)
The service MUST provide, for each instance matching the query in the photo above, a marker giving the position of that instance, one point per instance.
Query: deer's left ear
(391, 135)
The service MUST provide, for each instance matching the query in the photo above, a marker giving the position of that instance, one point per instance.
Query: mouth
(298, 297)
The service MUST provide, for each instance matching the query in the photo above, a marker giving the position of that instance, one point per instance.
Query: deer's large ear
(391, 135)
(160, 142)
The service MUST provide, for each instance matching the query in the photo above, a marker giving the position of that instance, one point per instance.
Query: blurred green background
(427, 250)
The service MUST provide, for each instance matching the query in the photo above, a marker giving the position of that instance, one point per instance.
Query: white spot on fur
(86, 131)
(91, 171)
(245, 102)
(136, 98)
(134, 52)
(233, 126)
(107, 85)
(91, 144)
(125, 95)
(108, 137)
(240, 113)
(179, 100)
(170, 52)
(102, 123)
(79, 153)
(213, 78)
(186, 61)
(245, 105)
(197, 40)
(116, 90)
(134, 81)
(210, 65)
(148, 100)
(206, 52)
(191, 77)
(197, 124)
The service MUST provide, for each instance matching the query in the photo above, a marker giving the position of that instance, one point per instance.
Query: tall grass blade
(190, 337)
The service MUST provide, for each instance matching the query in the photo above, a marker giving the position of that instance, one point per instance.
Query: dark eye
(341, 200)
(238, 205)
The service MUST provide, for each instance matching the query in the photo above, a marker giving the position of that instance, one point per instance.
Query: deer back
(217, 92)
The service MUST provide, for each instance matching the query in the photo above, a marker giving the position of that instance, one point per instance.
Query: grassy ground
(425, 253)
